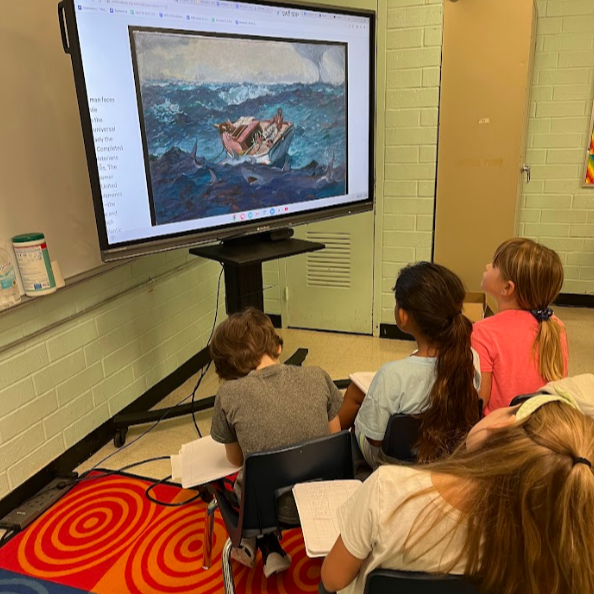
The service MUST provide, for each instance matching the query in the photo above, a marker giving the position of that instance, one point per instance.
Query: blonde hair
(528, 507)
(537, 273)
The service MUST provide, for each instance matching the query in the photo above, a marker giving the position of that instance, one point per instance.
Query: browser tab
(263, 9)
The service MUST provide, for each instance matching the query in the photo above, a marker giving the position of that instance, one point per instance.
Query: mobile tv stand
(242, 259)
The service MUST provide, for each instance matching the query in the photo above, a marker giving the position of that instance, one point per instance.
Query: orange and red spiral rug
(105, 537)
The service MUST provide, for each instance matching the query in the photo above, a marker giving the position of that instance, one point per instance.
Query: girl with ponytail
(438, 382)
(523, 346)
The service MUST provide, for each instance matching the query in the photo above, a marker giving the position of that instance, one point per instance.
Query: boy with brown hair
(263, 405)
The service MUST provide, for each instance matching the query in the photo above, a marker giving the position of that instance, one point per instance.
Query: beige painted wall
(44, 183)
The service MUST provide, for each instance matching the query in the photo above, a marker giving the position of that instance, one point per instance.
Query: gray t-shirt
(274, 407)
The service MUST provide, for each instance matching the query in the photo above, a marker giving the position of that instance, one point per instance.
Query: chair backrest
(387, 581)
(402, 433)
(521, 398)
(269, 474)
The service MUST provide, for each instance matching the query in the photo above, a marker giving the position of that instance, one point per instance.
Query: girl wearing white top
(512, 509)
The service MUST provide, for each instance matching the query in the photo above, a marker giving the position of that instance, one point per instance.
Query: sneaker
(274, 558)
(276, 563)
(245, 553)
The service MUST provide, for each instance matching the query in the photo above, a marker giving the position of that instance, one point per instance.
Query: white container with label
(34, 263)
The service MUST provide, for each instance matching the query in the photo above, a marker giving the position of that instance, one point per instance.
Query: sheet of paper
(200, 462)
(176, 468)
(362, 379)
(318, 504)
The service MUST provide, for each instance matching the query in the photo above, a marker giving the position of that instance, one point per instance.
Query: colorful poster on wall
(589, 181)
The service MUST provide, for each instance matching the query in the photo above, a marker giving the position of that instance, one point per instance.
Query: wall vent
(330, 268)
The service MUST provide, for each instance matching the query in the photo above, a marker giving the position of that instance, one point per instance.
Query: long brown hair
(433, 296)
(537, 273)
(528, 505)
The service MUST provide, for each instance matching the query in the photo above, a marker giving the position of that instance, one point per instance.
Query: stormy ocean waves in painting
(235, 124)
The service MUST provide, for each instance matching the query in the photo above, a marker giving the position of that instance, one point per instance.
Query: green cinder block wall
(556, 210)
(413, 33)
(61, 380)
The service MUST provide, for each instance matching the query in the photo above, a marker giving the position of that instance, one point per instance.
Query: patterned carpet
(105, 537)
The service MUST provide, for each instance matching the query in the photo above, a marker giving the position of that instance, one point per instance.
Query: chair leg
(208, 534)
(228, 579)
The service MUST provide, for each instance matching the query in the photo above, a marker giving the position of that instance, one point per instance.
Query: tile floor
(339, 354)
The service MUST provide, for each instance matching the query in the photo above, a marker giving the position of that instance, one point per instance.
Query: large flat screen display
(209, 119)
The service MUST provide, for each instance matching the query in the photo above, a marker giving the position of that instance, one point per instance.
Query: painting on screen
(233, 124)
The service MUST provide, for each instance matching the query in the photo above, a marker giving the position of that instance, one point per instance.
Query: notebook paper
(362, 379)
(200, 462)
(318, 503)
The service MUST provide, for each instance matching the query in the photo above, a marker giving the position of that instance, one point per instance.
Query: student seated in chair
(524, 345)
(438, 383)
(513, 508)
(262, 405)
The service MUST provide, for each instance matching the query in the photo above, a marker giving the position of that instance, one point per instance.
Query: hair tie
(454, 316)
(582, 461)
(542, 315)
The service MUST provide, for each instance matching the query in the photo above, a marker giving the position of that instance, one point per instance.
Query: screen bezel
(127, 249)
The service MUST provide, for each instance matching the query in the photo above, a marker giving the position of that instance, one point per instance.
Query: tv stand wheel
(119, 438)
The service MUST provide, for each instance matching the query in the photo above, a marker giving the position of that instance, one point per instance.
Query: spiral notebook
(318, 503)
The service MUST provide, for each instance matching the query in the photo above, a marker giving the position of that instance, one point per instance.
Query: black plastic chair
(267, 476)
(387, 581)
(402, 433)
(521, 398)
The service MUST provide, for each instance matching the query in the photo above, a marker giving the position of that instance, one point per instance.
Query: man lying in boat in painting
(260, 141)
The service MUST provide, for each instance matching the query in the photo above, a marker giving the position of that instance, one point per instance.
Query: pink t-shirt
(504, 343)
